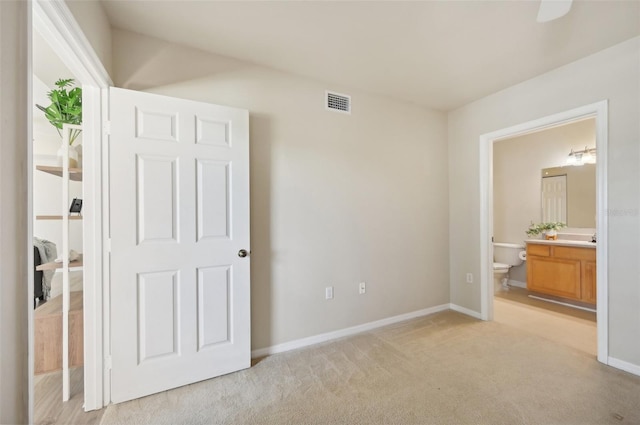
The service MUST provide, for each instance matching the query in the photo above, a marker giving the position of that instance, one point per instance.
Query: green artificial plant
(537, 228)
(65, 108)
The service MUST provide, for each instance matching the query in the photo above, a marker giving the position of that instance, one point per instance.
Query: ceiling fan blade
(553, 9)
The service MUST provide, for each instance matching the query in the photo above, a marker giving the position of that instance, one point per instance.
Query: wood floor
(48, 406)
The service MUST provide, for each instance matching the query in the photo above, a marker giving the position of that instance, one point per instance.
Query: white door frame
(55, 22)
(597, 110)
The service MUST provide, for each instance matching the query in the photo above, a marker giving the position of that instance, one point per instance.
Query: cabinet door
(554, 276)
(589, 282)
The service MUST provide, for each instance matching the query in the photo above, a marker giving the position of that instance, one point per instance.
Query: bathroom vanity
(562, 268)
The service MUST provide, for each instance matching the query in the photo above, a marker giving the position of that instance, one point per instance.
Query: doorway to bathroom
(542, 190)
(547, 287)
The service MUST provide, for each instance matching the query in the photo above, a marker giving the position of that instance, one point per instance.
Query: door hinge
(107, 128)
(108, 363)
(107, 245)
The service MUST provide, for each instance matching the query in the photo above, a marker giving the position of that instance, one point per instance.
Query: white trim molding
(517, 284)
(602, 214)
(466, 311)
(599, 111)
(54, 20)
(328, 336)
(622, 365)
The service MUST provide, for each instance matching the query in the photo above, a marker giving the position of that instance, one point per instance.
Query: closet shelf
(55, 266)
(75, 174)
(57, 217)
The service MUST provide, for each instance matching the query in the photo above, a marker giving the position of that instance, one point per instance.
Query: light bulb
(589, 158)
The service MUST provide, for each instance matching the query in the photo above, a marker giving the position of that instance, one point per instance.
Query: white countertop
(563, 242)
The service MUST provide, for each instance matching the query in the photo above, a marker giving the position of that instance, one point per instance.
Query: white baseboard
(304, 342)
(622, 365)
(517, 283)
(466, 311)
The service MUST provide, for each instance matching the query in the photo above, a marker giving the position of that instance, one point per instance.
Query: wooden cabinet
(554, 276)
(589, 282)
(48, 334)
(562, 271)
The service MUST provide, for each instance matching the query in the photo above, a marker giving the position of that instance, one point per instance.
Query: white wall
(94, 23)
(335, 199)
(612, 74)
(14, 211)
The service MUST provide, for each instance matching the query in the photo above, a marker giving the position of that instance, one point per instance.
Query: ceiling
(439, 54)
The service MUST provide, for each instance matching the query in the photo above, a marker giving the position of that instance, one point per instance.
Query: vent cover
(338, 102)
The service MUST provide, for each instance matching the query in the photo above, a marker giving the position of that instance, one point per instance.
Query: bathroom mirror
(569, 195)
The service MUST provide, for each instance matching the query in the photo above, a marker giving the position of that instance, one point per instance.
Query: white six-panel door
(554, 199)
(179, 208)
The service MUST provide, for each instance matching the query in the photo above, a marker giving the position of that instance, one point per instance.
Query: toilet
(505, 256)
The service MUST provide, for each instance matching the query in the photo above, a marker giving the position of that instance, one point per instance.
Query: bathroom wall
(517, 165)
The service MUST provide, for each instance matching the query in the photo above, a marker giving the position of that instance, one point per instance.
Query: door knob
(242, 253)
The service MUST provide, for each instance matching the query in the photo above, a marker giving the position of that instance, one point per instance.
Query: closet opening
(67, 342)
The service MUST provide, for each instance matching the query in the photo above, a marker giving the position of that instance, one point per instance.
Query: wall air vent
(338, 102)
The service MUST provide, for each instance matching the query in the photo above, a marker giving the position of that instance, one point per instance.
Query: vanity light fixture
(589, 157)
(573, 159)
(586, 156)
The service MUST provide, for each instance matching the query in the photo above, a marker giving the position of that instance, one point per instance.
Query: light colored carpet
(445, 368)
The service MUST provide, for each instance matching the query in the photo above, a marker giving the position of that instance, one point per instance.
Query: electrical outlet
(469, 277)
(328, 292)
(362, 288)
